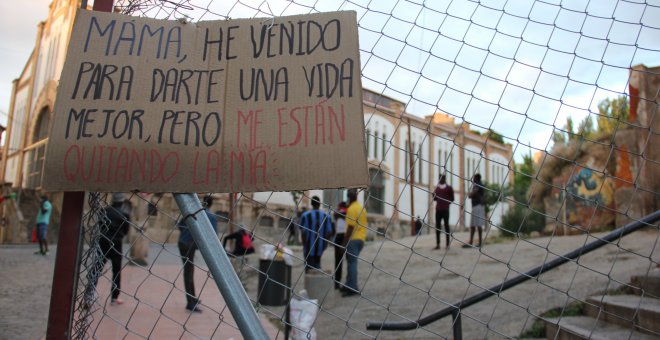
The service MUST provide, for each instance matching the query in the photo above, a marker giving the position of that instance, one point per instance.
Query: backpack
(246, 241)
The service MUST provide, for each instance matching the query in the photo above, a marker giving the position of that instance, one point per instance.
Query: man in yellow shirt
(356, 235)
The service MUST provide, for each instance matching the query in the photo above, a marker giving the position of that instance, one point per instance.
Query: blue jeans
(42, 231)
(353, 249)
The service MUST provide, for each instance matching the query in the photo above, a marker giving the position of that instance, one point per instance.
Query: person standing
(187, 248)
(316, 230)
(242, 242)
(340, 250)
(356, 235)
(43, 218)
(478, 219)
(443, 197)
(114, 226)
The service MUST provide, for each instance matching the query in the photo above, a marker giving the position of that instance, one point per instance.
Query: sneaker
(38, 252)
(116, 302)
(46, 253)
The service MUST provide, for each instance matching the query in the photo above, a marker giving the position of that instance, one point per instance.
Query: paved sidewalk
(154, 304)
(25, 284)
(401, 280)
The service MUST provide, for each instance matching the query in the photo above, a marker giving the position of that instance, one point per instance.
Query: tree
(558, 137)
(612, 111)
(586, 128)
(522, 178)
(494, 136)
(520, 218)
(569, 128)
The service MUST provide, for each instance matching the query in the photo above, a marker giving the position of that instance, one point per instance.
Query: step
(650, 283)
(626, 310)
(584, 327)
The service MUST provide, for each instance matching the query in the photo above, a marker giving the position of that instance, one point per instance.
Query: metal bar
(458, 329)
(65, 275)
(614, 235)
(215, 257)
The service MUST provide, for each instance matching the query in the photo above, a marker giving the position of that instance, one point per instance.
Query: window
(384, 146)
(366, 138)
(35, 159)
(36, 155)
(41, 129)
(266, 221)
(374, 203)
(375, 145)
(283, 223)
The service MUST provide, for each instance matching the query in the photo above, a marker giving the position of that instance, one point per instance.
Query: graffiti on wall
(589, 199)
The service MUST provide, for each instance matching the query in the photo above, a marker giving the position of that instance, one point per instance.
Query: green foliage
(558, 137)
(537, 330)
(611, 112)
(522, 178)
(586, 128)
(494, 136)
(520, 218)
(493, 192)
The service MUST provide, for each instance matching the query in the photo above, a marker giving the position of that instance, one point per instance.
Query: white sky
(519, 67)
(18, 27)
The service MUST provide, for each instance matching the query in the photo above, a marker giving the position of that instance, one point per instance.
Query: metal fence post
(458, 330)
(65, 275)
(216, 258)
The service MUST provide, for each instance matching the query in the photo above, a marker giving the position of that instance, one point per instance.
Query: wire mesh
(546, 100)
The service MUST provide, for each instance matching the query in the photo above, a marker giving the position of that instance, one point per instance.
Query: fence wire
(552, 103)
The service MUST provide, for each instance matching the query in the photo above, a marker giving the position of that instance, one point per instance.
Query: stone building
(438, 144)
(403, 149)
(29, 116)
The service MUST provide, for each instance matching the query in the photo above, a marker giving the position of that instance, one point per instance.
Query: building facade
(30, 112)
(404, 151)
(437, 146)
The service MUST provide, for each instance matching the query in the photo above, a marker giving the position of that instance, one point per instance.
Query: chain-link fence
(540, 116)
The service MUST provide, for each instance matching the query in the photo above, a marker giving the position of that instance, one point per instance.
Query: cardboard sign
(220, 106)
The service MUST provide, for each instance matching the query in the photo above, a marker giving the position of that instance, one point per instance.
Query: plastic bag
(302, 314)
(271, 252)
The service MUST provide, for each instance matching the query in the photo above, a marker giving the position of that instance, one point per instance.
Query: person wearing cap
(114, 226)
(340, 230)
(356, 235)
(316, 230)
(187, 248)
